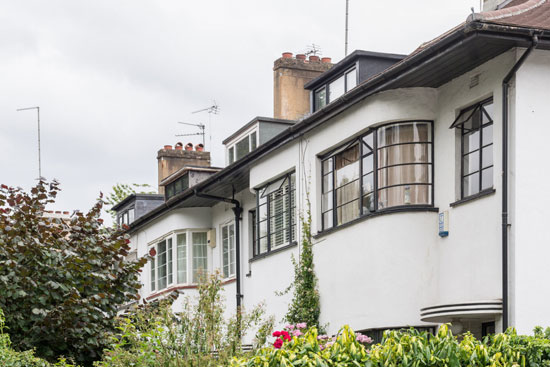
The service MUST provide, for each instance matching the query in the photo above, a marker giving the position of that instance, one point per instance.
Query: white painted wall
(470, 257)
(531, 240)
(380, 271)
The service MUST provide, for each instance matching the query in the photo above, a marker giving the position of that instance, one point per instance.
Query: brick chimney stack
(290, 99)
(171, 160)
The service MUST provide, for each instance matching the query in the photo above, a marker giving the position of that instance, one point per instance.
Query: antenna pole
(347, 16)
(37, 108)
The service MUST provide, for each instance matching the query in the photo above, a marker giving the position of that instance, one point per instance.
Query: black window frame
(459, 124)
(291, 221)
(374, 152)
(177, 186)
(326, 88)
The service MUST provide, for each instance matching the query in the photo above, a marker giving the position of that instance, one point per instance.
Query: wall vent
(474, 81)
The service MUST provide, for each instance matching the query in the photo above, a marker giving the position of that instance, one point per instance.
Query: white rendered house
(425, 175)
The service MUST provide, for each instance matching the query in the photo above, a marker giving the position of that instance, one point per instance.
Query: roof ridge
(511, 11)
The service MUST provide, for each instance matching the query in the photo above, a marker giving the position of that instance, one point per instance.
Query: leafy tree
(61, 281)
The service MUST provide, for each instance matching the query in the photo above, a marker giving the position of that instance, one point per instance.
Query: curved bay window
(390, 166)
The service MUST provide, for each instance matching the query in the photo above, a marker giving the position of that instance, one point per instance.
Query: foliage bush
(198, 336)
(11, 358)
(305, 306)
(61, 281)
(407, 348)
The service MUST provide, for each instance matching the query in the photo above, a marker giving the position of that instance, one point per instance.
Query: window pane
(347, 193)
(470, 163)
(487, 156)
(153, 278)
(368, 164)
(263, 245)
(169, 266)
(326, 201)
(470, 184)
(470, 142)
(170, 190)
(225, 251)
(263, 212)
(487, 134)
(351, 80)
(368, 203)
(407, 153)
(487, 178)
(253, 143)
(368, 144)
(263, 228)
(231, 155)
(161, 265)
(130, 216)
(320, 98)
(488, 107)
(404, 195)
(242, 147)
(348, 212)
(415, 173)
(327, 182)
(368, 183)
(228, 251)
(181, 240)
(336, 89)
(404, 133)
(347, 166)
(327, 166)
(474, 122)
(200, 260)
(327, 220)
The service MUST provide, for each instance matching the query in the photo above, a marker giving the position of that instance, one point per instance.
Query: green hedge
(407, 348)
(11, 358)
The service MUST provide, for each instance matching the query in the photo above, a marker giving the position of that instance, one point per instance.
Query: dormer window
(242, 147)
(335, 88)
(125, 217)
(179, 185)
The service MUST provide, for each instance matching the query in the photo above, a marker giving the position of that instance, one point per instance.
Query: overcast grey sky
(112, 78)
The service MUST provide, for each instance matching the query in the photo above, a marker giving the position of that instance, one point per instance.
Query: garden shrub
(405, 348)
(198, 336)
(11, 358)
(61, 281)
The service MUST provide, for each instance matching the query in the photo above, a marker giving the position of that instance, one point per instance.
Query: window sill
(280, 249)
(479, 195)
(398, 209)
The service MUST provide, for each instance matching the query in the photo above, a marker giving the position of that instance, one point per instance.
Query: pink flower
(276, 334)
(278, 343)
(297, 332)
(301, 325)
(289, 327)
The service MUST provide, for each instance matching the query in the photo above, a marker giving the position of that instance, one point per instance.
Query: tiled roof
(521, 13)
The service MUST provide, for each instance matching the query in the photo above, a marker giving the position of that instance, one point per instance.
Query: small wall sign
(444, 224)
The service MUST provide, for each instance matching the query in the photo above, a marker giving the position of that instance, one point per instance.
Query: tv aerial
(199, 126)
(314, 50)
(213, 109)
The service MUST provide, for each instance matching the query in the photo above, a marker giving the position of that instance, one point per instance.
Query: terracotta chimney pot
(287, 55)
(326, 59)
(179, 146)
(301, 56)
(314, 58)
(168, 147)
(189, 146)
(199, 147)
